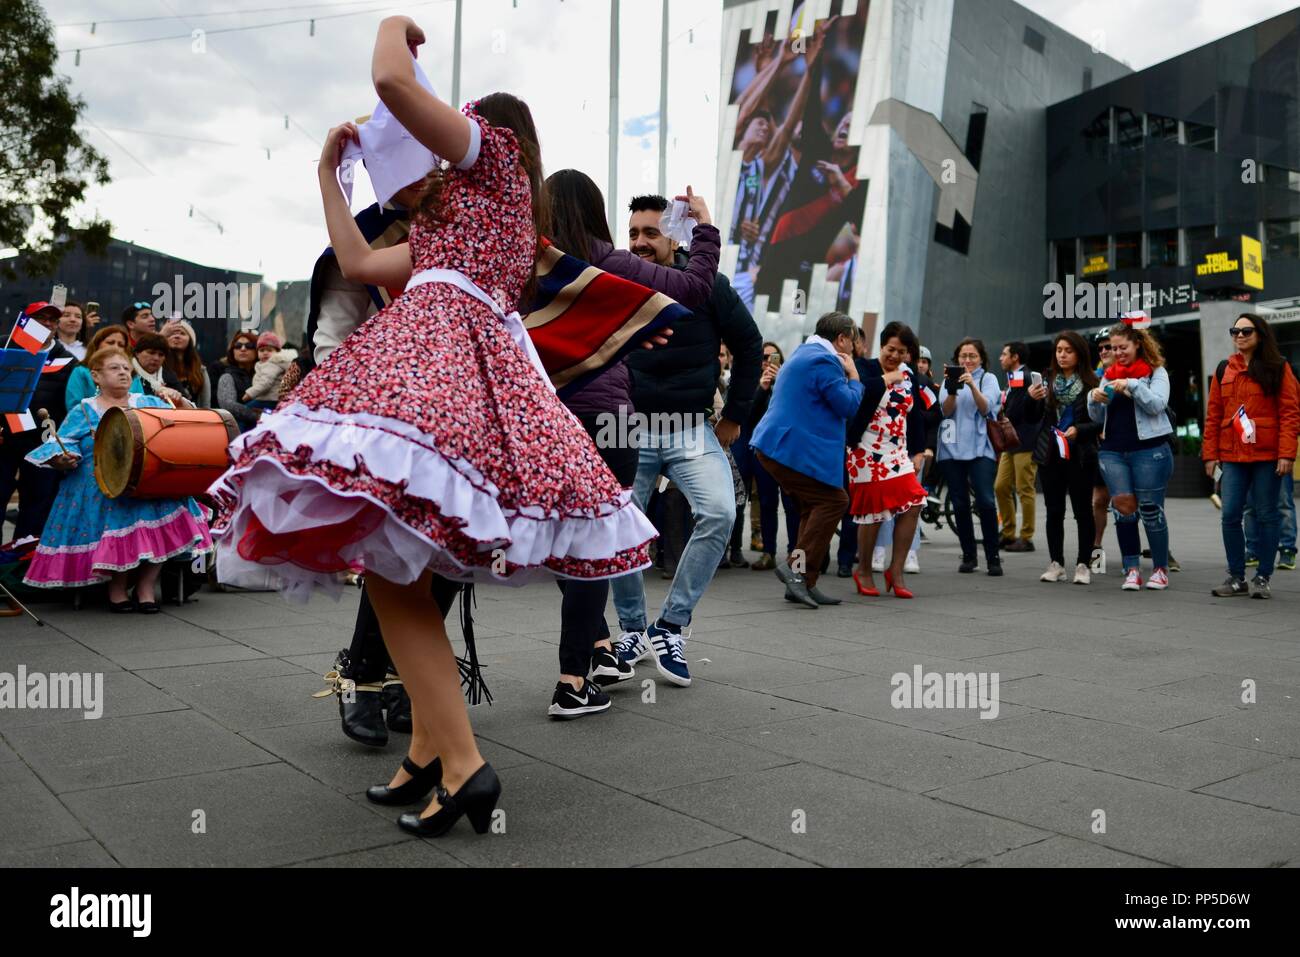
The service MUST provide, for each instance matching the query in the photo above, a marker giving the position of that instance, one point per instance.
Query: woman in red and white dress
(431, 440)
(890, 433)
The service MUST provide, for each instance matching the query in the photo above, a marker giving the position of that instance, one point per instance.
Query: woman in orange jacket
(1251, 425)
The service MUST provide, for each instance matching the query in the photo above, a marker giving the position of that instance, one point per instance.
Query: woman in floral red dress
(431, 439)
(889, 432)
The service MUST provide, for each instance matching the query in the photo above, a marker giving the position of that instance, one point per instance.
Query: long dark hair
(979, 347)
(511, 113)
(577, 213)
(1082, 366)
(1266, 361)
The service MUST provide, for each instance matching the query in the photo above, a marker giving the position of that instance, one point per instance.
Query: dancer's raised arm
(389, 267)
(435, 124)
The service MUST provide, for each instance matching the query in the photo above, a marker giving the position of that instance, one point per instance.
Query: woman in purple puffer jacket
(579, 228)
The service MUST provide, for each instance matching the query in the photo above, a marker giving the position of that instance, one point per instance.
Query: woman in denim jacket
(1136, 459)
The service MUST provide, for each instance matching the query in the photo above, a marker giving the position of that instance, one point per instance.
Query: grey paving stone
(260, 702)
(1177, 761)
(630, 752)
(58, 655)
(179, 657)
(870, 696)
(1259, 730)
(1276, 786)
(1064, 852)
(754, 672)
(550, 820)
(76, 854)
(321, 750)
(1165, 824)
(772, 642)
(285, 640)
(406, 854)
(93, 754)
(188, 676)
(1096, 669)
(738, 853)
(891, 661)
(6, 753)
(33, 817)
(849, 822)
(255, 817)
(1142, 709)
(709, 706)
(161, 633)
(885, 753)
(121, 693)
(1228, 690)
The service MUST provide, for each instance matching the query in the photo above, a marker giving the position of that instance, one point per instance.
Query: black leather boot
(397, 705)
(361, 706)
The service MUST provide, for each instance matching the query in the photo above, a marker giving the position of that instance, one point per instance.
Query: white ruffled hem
(395, 452)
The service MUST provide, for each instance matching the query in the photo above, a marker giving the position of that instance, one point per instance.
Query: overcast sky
(150, 105)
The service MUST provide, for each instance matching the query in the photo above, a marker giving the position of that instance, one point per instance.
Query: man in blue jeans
(673, 386)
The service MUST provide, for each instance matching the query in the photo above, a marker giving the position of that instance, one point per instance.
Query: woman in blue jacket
(966, 457)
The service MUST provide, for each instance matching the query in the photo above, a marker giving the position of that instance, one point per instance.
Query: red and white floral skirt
(871, 503)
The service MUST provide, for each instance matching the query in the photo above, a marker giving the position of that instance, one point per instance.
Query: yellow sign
(1216, 263)
(1096, 264)
(1252, 263)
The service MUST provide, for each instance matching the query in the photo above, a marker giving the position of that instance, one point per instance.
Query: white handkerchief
(394, 158)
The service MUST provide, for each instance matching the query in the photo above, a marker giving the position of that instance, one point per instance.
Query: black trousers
(582, 610)
(1073, 480)
(368, 656)
(37, 488)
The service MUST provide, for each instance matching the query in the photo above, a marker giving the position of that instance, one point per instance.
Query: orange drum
(161, 453)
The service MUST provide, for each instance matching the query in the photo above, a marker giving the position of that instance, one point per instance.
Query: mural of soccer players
(798, 190)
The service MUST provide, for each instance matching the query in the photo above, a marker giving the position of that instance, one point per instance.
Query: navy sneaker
(668, 655)
(607, 670)
(631, 647)
(567, 703)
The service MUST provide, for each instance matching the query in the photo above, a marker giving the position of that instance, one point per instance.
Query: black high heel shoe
(423, 780)
(476, 799)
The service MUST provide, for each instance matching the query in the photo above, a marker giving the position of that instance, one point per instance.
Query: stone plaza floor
(1121, 737)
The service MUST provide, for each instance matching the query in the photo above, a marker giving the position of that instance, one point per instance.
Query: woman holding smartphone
(1136, 459)
(1066, 452)
(969, 398)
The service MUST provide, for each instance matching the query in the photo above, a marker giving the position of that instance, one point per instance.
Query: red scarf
(1138, 369)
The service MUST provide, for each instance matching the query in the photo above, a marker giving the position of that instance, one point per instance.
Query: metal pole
(612, 189)
(455, 60)
(663, 104)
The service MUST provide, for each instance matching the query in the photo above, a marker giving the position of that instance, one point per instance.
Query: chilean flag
(29, 334)
(1016, 380)
(1062, 445)
(1137, 319)
(55, 366)
(1244, 427)
(928, 397)
(20, 421)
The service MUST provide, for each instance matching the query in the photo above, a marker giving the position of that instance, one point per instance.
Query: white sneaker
(1159, 580)
(878, 560)
(913, 565)
(1133, 580)
(1055, 573)
(1099, 561)
(1082, 574)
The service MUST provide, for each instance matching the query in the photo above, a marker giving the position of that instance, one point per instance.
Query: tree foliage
(45, 168)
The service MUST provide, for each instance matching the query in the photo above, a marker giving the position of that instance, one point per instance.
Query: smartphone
(774, 360)
(59, 297)
(1035, 378)
(951, 375)
(92, 306)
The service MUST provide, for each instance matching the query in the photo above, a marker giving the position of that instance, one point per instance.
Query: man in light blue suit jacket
(801, 444)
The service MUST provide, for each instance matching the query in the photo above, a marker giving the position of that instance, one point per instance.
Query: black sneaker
(995, 569)
(607, 670)
(567, 703)
(967, 566)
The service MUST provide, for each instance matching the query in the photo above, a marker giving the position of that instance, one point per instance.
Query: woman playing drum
(90, 537)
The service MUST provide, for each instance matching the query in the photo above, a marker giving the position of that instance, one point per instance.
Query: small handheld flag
(1243, 426)
(928, 397)
(1138, 319)
(1016, 380)
(29, 334)
(20, 421)
(54, 366)
(1062, 445)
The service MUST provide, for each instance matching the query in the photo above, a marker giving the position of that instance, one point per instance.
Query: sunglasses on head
(1243, 331)
(141, 305)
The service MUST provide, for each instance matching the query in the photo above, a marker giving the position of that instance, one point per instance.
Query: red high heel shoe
(898, 590)
(871, 592)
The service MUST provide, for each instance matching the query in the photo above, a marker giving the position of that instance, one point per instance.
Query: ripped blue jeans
(1143, 473)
